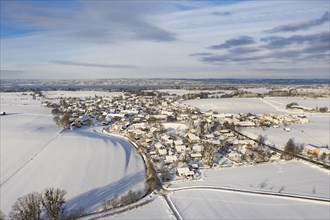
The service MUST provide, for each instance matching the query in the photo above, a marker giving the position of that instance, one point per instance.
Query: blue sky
(165, 39)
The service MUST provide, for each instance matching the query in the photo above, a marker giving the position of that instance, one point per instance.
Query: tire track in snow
(172, 206)
(29, 161)
(256, 192)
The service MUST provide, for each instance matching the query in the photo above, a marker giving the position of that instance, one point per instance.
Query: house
(162, 152)
(185, 172)
(324, 150)
(246, 124)
(311, 149)
(180, 148)
(178, 142)
(192, 138)
(234, 156)
(170, 159)
(196, 156)
(197, 148)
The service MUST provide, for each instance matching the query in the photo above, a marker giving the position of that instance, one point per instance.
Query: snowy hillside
(89, 165)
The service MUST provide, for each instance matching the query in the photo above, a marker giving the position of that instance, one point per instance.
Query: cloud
(11, 74)
(303, 25)
(200, 54)
(222, 13)
(99, 22)
(277, 49)
(242, 40)
(280, 42)
(119, 66)
(244, 50)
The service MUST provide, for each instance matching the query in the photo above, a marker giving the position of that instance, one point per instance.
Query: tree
(53, 202)
(65, 120)
(208, 153)
(323, 156)
(289, 150)
(323, 109)
(27, 207)
(55, 111)
(291, 104)
(261, 139)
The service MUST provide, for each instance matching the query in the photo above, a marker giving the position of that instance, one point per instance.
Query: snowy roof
(193, 137)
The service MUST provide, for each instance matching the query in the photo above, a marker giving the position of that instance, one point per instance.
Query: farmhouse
(311, 149)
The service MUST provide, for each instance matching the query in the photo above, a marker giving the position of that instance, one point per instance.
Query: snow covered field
(55, 94)
(315, 132)
(281, 102)
(296, 178)
(157, 209)
(233, 105)
(212, 204)
(90, 166)
(257, 105)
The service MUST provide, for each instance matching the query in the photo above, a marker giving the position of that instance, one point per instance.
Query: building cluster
(179, 140)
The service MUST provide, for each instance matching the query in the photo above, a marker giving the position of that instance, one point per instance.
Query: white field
(59, 93)
(233, 105)
(256, 105)
(212, 204)
(315, 132)
(157, 209)
(297, 178)
(184, 91)
(90, 166)
(281, 102)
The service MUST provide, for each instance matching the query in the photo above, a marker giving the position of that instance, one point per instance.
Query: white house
(184, 171)
(193, 138)
(196, 156)
(180, 148)
(197, 148)
(170, 159)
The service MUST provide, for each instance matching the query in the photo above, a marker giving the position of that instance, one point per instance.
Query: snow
(212, 204)
(90, 166)
(297, 178)
(184, 91)
(59, 93)
(157, 209)
(256, 105)
(172, 127)
(281, 102)
(316, 132)
(233, 105)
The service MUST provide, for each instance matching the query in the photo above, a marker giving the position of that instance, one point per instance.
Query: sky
(83, 39)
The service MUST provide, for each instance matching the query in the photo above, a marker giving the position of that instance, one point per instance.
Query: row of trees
(50, 204)
(115, 202)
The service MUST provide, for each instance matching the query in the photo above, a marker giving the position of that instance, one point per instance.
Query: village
(179, 140)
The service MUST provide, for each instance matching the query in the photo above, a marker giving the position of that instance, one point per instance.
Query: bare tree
(65, 121)
(27, 207)
(261, 139)
(53, 202)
